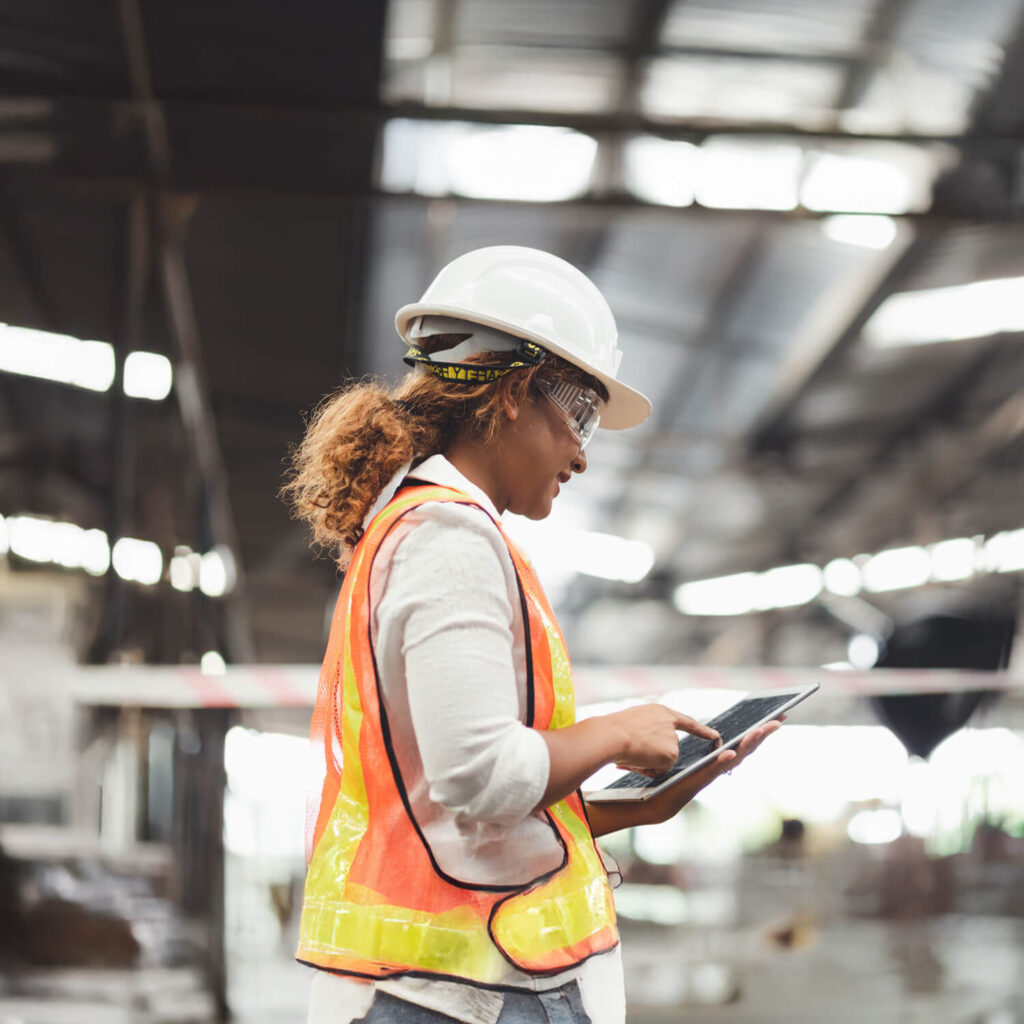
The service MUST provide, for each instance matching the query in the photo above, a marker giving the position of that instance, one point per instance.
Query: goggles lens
(579, 406)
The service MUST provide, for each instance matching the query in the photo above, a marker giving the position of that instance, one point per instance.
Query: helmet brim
(626, 407)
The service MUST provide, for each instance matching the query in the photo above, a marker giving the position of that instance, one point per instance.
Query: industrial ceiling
(252, 189)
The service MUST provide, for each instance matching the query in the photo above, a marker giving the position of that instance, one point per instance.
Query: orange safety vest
(376, 903)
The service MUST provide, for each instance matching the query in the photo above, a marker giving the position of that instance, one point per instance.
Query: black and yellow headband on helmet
(528, 353)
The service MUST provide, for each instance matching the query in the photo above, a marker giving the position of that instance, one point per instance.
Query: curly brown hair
(358, 437)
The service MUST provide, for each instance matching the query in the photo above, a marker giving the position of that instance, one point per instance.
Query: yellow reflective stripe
(353, 785)
(363, 928)
(393, 508)
(564, 711)
(399, 504)
(329, 865)
(352, 782)
(571, 907)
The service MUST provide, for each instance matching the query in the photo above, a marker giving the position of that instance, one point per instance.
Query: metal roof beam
(739, 275)
(916, 473)
(371, 115)
(875, 47)
(30, 282)
(596, 206)
(169, 216)
(826, 337)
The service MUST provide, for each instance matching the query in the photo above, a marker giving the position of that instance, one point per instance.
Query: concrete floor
(946, 970)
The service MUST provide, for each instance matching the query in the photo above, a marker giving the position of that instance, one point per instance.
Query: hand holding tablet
(695, 751)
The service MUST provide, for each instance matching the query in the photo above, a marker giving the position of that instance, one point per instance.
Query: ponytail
(359, 437)
(354, 443)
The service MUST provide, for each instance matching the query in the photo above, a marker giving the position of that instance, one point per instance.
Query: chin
(536, 510)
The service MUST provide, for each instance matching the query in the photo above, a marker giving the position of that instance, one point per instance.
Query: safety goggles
(579, 406)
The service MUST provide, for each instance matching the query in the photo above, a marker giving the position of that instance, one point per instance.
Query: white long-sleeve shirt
(449, 639)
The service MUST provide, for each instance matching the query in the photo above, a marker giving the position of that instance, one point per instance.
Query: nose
(579, 464)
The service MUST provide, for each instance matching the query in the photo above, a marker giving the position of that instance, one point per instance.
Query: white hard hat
(537, 296)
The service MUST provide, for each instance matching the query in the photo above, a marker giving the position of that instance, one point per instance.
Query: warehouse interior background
(808, 219)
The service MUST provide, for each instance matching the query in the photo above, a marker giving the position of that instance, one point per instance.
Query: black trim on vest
(462, 979)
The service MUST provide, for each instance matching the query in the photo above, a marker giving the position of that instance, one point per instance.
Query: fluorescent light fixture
(65, 544)
(30, 537)
(662, 171)
(741, 593)
(516, 162)
(953, 559)
(858, 184)
(57, 357)
(414, 155)
(897, 568)
(1005, 552)
(609, 557)
(869, 231)
(184, 569)
(722, 595)
(217, 573)
(976, 310)
(862, 651)
(410, 47)
(788, 586)
(213, 579)
(748, 174)
(559, 551)
(212, 664)
(58, 543)
(138, 560)
(524, 162)
(95, 552)
(875, 827)
(147, 375)
(842, 577)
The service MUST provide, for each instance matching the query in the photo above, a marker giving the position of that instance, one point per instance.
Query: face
(542, 454)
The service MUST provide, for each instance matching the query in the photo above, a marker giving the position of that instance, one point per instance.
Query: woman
(452, 866)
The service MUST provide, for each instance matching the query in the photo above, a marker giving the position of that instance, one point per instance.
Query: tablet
(695, 752)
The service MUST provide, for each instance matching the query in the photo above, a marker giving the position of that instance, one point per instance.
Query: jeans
(556, 1006)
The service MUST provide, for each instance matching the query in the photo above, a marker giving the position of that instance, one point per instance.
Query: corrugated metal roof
(776, 432)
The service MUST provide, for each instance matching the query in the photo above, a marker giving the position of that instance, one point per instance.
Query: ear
(511, 408)
(511, 402)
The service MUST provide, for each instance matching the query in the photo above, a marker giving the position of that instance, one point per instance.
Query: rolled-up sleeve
(447, 600)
